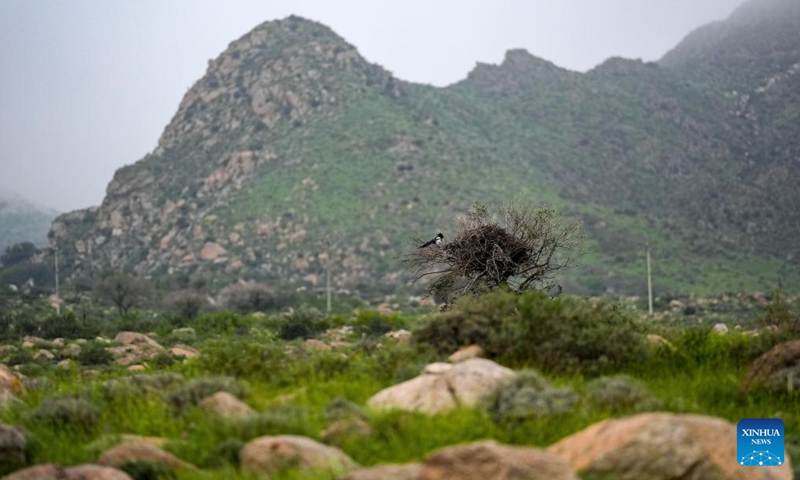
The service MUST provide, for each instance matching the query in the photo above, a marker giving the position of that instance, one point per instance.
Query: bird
(435, 241)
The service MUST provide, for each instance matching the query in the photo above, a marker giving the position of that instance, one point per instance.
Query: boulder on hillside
(10, 386)
(184, 351)
(409, 471)
(443, 386)
(12, 447)
(140, 452)
(90, 471)
(226, 405)
(778, 368)
(661, 446)
(138, 339)
(271, 454)
(47, 471)
(491, 461)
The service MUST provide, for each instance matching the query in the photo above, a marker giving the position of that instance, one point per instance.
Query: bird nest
(489, 251)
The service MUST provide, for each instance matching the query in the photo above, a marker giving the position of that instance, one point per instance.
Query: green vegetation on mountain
(293, 154)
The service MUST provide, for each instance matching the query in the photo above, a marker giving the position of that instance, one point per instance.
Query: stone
(73, 350)
(47, 471)
(212, 251)
(58, 343)
(6, 349)
(720, 329)
(226, 405)
(657, 342)
(443, 386)
(409, 471)
(661, 446)
(183, 351)
(140, 452)
(272, 454)
(465, 353)
(32, 342)
(136, 368)
(401, 335)
(489, 460)
(314, 344)
(90, 471)
(43, 355)
(9, 383)
(777, 366)
(138, 339)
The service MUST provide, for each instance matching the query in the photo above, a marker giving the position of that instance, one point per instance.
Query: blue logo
(759, 442)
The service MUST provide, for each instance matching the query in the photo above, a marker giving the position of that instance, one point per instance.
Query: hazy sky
(87, 86)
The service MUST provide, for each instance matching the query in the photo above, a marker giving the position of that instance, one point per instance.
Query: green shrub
(221, 323)
(618, 393)
(226, 453)
(374, 323)
(303, 322)
(20, 357)
(561, 334)
(341, 408)
(139, 385)
(67, 412)
(142, 470)
(528, 395)
(163, 360)
(67, 325)
(196, 390)
(95, 354)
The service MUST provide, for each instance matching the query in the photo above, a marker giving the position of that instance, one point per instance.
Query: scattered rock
(410, 471)
(140, 452)
(660, 446)
(138, 339)
(73, 350)
(212, 251)
(65, 364)
(271, 454)
(657, 341)
(12, 446)
(401, 335)
(314, 344)
(32, 342)
(9, 383)
(184, 351)
(6, 349)
(43, 355)
(227, 405)
(443, 386)
(58, 343)
(47, 471)
(465, 353)
(720, 329)
(136, 368)
(491, 461)
(185, 332)
(90, 471)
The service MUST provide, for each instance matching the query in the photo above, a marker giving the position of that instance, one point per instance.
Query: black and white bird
(435, 241)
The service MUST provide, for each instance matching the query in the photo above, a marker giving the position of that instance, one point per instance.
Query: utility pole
(58, 297)
(328, 273)
(649, 284)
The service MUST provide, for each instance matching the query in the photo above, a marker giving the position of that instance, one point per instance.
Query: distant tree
(18, 253)
(519, 248)
(250, 296)
(123, 291)
(187, 303)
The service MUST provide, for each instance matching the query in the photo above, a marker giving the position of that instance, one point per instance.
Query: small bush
(341, 409)
(561, 334)
(374, 323)
(196, 390)
(67, 412)
(221, 323)
(303, 322)
(141, 470)
(619, 393)
(528, 395)
(20, 357)
(95, 354)
(163, 360)
(249, 297)
(226, 453)
(140, 385)
(67, 325)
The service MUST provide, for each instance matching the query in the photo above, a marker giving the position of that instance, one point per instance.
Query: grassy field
(295, 389)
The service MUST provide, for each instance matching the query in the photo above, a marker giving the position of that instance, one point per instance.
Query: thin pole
(649, 285)
(58, 297)
(328, 273)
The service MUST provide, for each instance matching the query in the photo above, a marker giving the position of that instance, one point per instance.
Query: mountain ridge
(292, 137)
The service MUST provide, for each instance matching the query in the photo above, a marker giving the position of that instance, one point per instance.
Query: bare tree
(519, 248)
(123, 291)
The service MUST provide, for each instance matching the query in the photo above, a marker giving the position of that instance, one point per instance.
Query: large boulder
(409, 471)
(9, 383)
(776, 368)
(662, 446)
(47, 471)
(272, 454)
(465, 353)
(140, 452)
(443, 386)
(491, 461)
(138, 339)
(226, 405)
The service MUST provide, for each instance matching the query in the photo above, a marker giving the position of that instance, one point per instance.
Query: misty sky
(87, 86)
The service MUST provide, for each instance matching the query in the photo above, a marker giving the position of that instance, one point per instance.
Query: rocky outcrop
(409, 471)
(662, 446)
(779, 368)
(269, 455)
(443, 386)
(492, 461)
(52, 471)
(466, 353)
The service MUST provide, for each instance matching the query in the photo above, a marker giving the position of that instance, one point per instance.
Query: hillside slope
(292, 140)
(23, 221)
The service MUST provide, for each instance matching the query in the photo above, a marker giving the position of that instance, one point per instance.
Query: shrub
(221, 323)
(618, 393)
(20, 357)
(142, 470)
(163, 360)
(139, 385)
(374, 323)
(561, 334)
(196, 390)
(67, 412)
(225, 453)
(528, 395)
(94, 353)
(67, 325)
(341, 408)
(253, 297)
(187, 303)
(303, 322)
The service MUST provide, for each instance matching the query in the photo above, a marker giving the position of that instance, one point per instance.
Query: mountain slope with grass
(294, 154)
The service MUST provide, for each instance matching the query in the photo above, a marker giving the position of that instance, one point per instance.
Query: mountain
(23, 221)
(293, 152)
